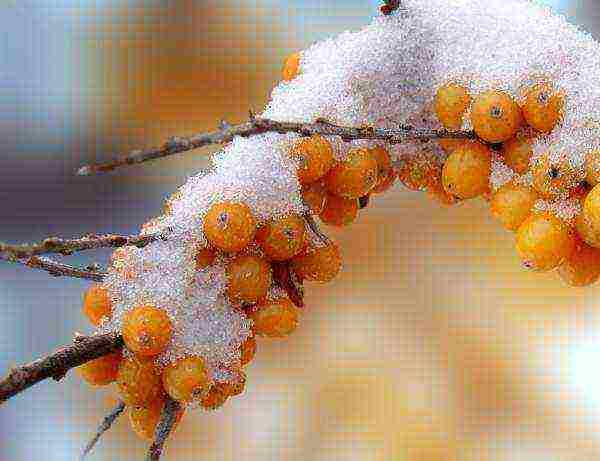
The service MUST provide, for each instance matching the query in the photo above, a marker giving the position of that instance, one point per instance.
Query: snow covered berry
(495, 116)
(229, 226)
(138, 380)
(385, 183)
(319, 264)
(339, 211)
(511, 204)
(205, 257)
(315, 157)
(554, 175)
(146, 330)
(96, 303)
(353, 177)
(517, 153)
(186, 379)
(592, 167)
(282, 238)
(291, 67)
(215, 397)
(466, 173)
(416, 171)
(249, 278)
(313, 195)
(100, 371)
(588, 222)
(543, 107)
(248, 350)
(275, 318)
(450, 104)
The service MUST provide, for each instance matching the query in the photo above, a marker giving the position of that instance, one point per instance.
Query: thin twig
(165, 425)
(316, 230)
(107, 422)
(57, 269)
(82, 350)
(227, 132)
(389, 6)
(69, 246)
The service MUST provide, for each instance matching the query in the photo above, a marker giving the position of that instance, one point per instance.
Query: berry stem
(253, 126)
(106, 424)
(82, 350)
(163, 429)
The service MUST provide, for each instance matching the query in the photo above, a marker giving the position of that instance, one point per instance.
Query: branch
(227, 132)
(389, 6)
(57, 269)
(56, 365)
(316, 230)
(107, 422)
(165, 425)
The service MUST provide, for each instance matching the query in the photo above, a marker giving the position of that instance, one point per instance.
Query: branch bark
(165, 425)
(106, 424)
(57, 269)
(227, 132)
(56, 365)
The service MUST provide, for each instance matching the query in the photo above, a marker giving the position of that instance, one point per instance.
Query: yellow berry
(313, 196)
(216, 396)
(282, 238)
(315, 157)
(495, 116)
(248, 350)
(229, 226)
(205, 257)
(248, 278)
(319, 264)
(543, 107)
(144, 418)
(451, 103)
(511, 204)
(339, 211)
(466, 173)
(582, 266)
(96, 303)
(588, 222)
(138, 381)
(291, 66)
(146, 330)
(544, 241)
(186, 379)
(517, 153)
(100, 371)
(275, 318)
(353, 177)
(553, 175)
(592, 167)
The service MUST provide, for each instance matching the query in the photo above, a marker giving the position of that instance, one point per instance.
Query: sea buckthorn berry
(291, 67)
(96, 303)
(582, 266)
(554, 175)
(588, 221)
(275, 318)
(517, 153)
(238, 378)
(339, 211)
(543, 107)
(248, 278)
(449, 144)
(186, 379)
(435, 190)
(318, 264)
(495, 116)
(511, 204)
(100, 371)
(416, 172)
(353, 177)
(451, 103)
(229, 226)
(315, 156)
(544, 241)
(466, 173)
(384, 161)
(386, 182)
(146, 330)
(205, 257)
(248, 350)
(138, 381)
(313, 196)
(282, 238)
(144, 418)
(592, 167)
(216, 397)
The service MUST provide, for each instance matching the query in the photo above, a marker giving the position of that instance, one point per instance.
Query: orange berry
(291, 66)
(582, 266)
(435, 189)
(517, 153)
(384, 161)
(449, 144)
(495, 116)
(248, 278)
(100, 371)
(355, 176)
(275, 318)
(144, 418)
(248, 350)
(544, 241)
(386, 182)
(96, 303)
(229, 226)
(588, 222)
(592, 167)
(416, 172)
(238, 381)
(315, 156)
(146, 330)
(339, 211)
(319, 264)
(543, 107)
(450, 104)
(554, 175)
(511, 204)
(466, 173)
(186, 379)
(282, 238)
(216, 396)
(205, 257)
(313, 196)
(138, 381)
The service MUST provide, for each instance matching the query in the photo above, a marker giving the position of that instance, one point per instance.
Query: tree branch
(57, 269)
(56, 365)
(164, 428)
(107, 422)
(389, 6)
(227, 132)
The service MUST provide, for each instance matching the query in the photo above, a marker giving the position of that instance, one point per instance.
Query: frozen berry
(291, 67)
(138, 381)
(229, 226)
(205, 257)
(466, 173)
(339, 211)
(319, 264)
(313, 196)
(451, 103)
(100, 371)
(186, 379)
(282, 238)
(517, 153)
(146, 330)
(495, 116)
(315, 157)
(275, 318)
(543, 107)
(511, 204)
(353, 177)
(96, 303)
(248, 278)
(248, 350)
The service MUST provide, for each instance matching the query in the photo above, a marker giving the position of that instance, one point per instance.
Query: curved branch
(57, 269)
(165, 426)
(56, 365)
(106, 424)
(227, 132)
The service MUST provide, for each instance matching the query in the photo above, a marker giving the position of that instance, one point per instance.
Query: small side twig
(106, 424)
(57, 269)
(165, 425)
(315, 229)
(55, 366)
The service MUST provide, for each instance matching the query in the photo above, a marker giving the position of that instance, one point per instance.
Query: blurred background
(433, 345)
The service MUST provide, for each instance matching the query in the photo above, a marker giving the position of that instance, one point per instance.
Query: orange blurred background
(434, 344)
